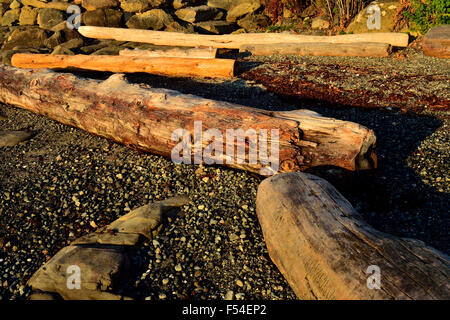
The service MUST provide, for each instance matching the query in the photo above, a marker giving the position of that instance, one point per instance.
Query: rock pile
(42, 26)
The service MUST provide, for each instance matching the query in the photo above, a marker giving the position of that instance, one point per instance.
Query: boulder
(10, 17)
(102, 18)
(320, 23)
(58, 5)
(387, 11)
(240, 10)
(253, 22)
(197, 14)
(71, 44)
(135, 5)
(154, 19)
(15, 4)
(28, 16)
(60, 26)
(216, 27)
(48, 18)
(4, 34)
(29, 38)
(100, 272)
(94, 47)
(70, 34)
(228, 4)
(310, 11)
(99, 4)
(159, 3)
(60, 50)
(222, 4)
(3, 8)
(54, 40)
(177, 27)
(5, 57)
(178, 4)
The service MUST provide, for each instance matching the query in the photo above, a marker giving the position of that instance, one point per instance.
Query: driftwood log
(359, 49)
(199, 53)
(436, 42)
(234, 41)
(326, 251)
(179, 67)
(146, 119)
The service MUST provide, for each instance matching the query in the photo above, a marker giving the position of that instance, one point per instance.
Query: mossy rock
(10, 17)
(387, 14)
(29, 38)
(48, 18)
(102, 18)
(28, 16)
(154, 19)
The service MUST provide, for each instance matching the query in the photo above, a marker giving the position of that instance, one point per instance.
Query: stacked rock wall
(41, 25)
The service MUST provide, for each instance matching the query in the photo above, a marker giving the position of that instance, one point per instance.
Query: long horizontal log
(146, 118)
(199, 53)
(234, 41)
(358, 49)
(178, 67)
(326, 251)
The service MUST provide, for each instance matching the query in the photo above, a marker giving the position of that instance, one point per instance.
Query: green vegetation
(426, 14)
(421, 14)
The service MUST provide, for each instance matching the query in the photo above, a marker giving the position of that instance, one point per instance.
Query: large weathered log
(436, 42)
(198, 53)
(234, 41)
(179, 67)
(326, 251)
(147, 119)
(359, 49)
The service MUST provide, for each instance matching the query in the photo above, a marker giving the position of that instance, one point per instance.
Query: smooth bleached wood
(146, 118)
(323, 247)
(436, 42)
(359, 49)
(198, 53)
(234, 41)
(177, 67)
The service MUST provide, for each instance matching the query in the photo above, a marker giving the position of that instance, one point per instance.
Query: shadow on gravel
(392, 198)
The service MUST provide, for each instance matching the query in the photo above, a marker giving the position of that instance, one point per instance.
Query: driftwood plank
(324, 248)
(199, 53)
(234, 41)
(359, 49)
(145, 118)
(178, 67)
